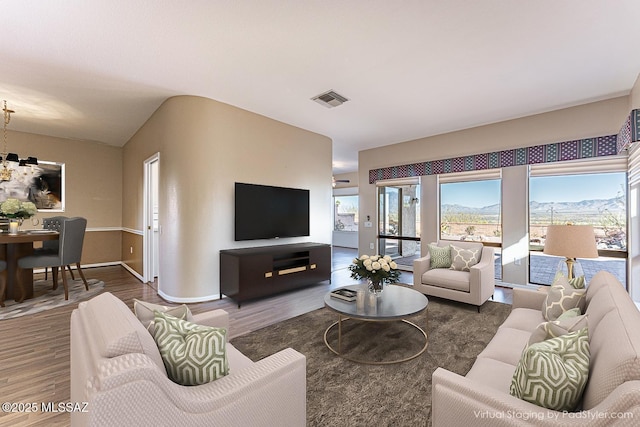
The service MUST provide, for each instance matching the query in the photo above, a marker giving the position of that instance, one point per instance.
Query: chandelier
(8, 158)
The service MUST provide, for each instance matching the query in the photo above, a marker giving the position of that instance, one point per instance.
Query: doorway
(151, 238)
(399, 222)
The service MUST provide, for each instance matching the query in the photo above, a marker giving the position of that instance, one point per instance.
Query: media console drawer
(249, 273)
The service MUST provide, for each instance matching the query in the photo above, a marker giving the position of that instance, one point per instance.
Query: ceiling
(96, 70)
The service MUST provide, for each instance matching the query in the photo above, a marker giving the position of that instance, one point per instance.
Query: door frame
(147, 222)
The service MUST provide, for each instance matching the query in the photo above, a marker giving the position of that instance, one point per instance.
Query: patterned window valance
(555, 152)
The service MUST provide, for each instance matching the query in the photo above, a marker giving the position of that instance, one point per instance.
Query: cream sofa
(116, 367)
(612, 393)
(471, 287)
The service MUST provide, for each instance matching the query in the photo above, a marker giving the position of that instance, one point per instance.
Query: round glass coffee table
(395, 304)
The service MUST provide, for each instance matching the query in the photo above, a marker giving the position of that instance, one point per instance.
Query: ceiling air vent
(330, 99)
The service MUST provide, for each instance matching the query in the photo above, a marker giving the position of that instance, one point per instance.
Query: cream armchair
(471, 287)
(117, 370)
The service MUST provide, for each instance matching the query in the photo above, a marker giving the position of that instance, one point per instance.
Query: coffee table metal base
(371, 362)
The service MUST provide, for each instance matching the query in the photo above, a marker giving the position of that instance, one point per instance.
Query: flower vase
(375, 287)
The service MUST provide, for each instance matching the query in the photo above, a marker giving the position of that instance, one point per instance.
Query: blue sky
(474, 194)
(574, 188)
(570, 188)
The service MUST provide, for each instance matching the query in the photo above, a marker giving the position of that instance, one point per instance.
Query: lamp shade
(571, 241)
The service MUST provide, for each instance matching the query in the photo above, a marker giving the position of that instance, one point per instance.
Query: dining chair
(52, 223)
(3, 281)
(69, 252)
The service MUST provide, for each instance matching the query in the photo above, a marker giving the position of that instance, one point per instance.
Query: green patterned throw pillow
(463, 259)
(577, 282)
(193, 354)
(562, 297)
(440, 256)
(553, 373)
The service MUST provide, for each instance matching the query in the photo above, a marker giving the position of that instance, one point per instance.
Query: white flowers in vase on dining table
(14, 208)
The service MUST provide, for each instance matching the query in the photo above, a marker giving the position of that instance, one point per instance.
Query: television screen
(267, 212)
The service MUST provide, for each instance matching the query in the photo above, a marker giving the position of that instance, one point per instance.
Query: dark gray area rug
(344, 393)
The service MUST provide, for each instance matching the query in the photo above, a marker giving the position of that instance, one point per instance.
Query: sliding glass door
(399, 222)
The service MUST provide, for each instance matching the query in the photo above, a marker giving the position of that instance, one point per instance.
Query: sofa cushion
(506, 345)
(525, 319)
(562, 297)
(440, 256)
(614, 344)
(145, 313)
(116, 330)
(599, 306)
(492, 373)
(553, 373)
(193, 354)
(445, 278)
(463, 259)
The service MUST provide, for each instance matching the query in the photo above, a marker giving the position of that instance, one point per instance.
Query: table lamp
(571, 242)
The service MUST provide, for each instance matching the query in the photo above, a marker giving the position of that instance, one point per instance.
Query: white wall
(515, 225)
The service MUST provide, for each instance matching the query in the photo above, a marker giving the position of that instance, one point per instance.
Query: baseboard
(187, 300)
(132, 271)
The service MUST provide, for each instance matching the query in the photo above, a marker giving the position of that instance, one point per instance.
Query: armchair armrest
(482, 282)
(216, 318)
(420, 266)
(458, 401)
(486, 259)
(270, 392)
(527, 298)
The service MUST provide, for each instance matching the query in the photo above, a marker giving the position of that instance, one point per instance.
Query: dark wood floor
(34, 350)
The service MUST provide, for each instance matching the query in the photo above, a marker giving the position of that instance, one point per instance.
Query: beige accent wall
(205, 146)
(93, 187)
(102, 247)
(584, 121)
(132, 251)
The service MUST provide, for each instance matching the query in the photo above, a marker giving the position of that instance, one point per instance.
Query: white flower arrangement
(378, 269)
(14, 208)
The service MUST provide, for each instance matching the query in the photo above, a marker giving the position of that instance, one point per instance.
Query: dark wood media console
(249, 273)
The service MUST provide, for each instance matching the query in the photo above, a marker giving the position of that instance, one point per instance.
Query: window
(345, 213)
(471, 211)
(597, 199)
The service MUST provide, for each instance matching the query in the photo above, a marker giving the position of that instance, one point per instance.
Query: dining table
(19, 285)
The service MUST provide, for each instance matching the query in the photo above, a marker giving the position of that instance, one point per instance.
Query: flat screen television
(267, 212)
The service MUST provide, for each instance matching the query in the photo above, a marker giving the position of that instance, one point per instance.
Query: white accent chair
(471, 287)
(116, 367)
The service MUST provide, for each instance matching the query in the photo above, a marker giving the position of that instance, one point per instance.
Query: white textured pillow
(145, 312)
